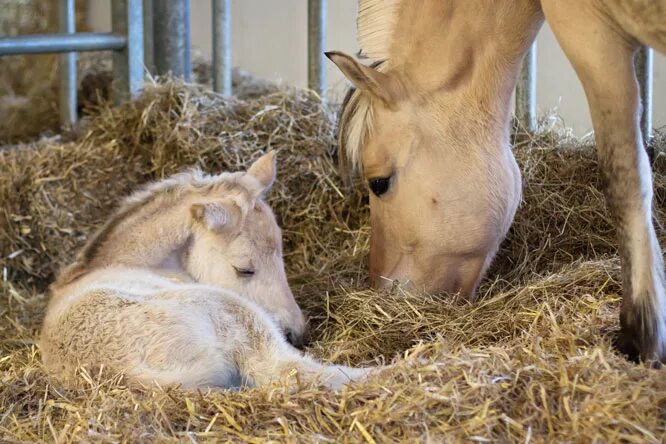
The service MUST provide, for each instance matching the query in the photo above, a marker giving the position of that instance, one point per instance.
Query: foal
(185, 284)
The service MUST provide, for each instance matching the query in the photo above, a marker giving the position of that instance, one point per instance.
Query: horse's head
(237, 244)
(443, 185)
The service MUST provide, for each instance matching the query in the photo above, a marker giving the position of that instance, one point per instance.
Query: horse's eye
(244, 272)
(379, 185)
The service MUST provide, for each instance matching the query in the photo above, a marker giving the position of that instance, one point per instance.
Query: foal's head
(237, 244)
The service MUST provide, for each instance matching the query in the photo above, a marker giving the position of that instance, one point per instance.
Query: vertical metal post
(66, 19)
(316, 44)
(526, 91)
(187, 73)
(170, 37)
(148, 42)
(643, 63)
(222, 46)
(127, 20)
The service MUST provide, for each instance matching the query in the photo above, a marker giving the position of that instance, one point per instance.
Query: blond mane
(376, 23)
(355, 126)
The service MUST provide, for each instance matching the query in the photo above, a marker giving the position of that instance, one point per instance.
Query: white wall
(270, 41)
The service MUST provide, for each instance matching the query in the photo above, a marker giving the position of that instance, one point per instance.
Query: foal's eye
(379, 185)
(244, 272)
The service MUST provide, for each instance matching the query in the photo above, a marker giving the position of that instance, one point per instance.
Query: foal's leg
(265, 356)
(602, 55)
(283, 359)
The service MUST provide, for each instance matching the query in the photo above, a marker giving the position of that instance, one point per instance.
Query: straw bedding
(530, 361)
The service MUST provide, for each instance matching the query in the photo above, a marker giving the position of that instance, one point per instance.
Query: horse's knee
(603, 59)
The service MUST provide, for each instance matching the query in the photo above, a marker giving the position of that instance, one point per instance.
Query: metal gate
(126, 42)
(157, 33)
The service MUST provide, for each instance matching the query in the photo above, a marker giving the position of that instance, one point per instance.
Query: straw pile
(531, 361)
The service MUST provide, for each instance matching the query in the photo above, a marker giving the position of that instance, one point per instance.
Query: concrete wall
(270, 41)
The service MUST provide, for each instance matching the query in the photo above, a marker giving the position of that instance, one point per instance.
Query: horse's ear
(367, 79)
(215, 216)
(264, 171)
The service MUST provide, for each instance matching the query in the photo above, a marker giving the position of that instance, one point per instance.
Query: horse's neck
(154, 237)
(466, 48)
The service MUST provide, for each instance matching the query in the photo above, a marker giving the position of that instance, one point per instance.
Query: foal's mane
(168, 190)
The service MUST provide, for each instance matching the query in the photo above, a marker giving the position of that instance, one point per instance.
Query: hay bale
(530, 360)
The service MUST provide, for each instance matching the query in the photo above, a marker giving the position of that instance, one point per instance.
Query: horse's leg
(602, 55)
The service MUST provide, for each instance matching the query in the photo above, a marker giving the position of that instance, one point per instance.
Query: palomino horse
(185, 284)
(428, 126)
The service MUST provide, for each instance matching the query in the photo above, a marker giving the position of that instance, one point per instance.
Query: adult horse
(428, 125)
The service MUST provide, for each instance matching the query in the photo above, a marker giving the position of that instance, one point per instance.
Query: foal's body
(429, 127)
(185, 285)
(162, 327)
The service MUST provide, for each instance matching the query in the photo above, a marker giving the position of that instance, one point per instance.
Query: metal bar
(67, 66)
(526, 92)
(222, 46)
(51, 43)
(127, 20)
(170, 37)
(148, 42)
(187, 73)
(644, 62)
(316, 44)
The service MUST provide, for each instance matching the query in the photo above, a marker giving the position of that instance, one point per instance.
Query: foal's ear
(215, 216)
(367, 79)
(264, 171)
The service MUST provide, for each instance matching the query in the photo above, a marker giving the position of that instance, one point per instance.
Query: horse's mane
(376, 23)
(355, 126)
(169, 190)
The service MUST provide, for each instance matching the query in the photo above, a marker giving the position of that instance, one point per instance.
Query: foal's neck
(150, 235)
(148, 238)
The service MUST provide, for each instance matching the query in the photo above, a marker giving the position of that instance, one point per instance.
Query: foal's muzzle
(298, 339)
